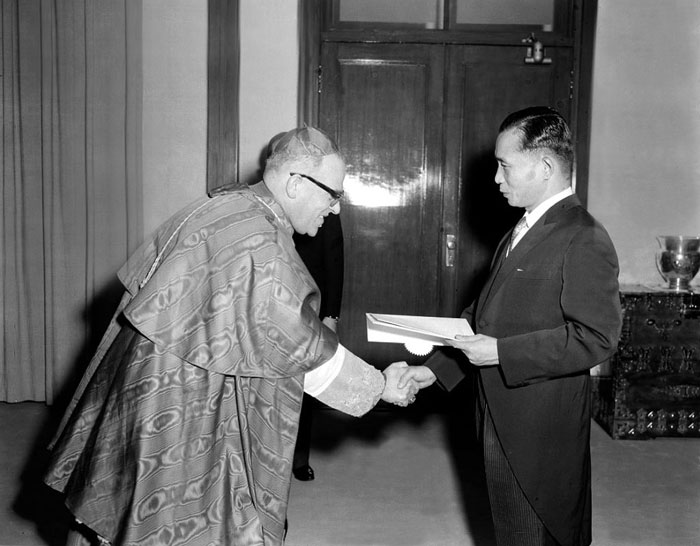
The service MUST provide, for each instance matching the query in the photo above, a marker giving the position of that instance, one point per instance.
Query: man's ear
(547, 166)
(292, 187)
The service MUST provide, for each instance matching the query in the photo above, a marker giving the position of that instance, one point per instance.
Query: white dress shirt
(537, 213)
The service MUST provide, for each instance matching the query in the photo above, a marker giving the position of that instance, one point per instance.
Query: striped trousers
(514, 519)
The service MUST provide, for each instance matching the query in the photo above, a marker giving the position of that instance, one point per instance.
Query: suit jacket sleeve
(590, 307)
(447, 362)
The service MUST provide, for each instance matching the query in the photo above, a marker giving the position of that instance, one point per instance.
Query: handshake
(403, 382)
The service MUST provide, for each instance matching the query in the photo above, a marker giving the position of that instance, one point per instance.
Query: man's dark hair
(542, 127)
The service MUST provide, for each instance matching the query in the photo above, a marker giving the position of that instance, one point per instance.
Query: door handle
(450, 249)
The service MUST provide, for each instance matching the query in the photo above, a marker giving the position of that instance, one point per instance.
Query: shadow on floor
(332, 429)
(35, 501)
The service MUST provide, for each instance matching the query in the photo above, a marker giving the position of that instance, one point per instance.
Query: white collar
(537, 213)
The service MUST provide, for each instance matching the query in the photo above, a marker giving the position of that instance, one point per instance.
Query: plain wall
(175, 95)
(268, 79)
(645, 134)
(174, 107)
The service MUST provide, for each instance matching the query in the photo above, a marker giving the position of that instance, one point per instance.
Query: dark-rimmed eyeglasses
(335, 194)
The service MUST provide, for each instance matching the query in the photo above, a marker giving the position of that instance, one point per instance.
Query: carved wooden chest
(652, 386)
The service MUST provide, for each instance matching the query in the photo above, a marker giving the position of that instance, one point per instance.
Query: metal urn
(678, 260)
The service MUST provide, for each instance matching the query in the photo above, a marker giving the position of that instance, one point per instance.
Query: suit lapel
(534, 236)
(496, 264)
(503, 267)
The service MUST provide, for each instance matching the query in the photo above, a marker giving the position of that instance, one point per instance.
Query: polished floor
(395, 478)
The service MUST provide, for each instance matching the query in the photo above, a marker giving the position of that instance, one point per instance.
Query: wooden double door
(417, 124)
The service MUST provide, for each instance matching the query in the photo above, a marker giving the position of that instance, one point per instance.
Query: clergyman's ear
(292, 187)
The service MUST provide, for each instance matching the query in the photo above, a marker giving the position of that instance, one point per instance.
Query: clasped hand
(403, 395)
(481, 350)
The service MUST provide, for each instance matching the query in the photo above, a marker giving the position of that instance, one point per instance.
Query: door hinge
(319, 79)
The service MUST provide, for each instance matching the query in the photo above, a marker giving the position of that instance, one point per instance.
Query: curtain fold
(70, 180)
(23, 273)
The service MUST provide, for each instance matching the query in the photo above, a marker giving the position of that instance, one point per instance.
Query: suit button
(482, 324)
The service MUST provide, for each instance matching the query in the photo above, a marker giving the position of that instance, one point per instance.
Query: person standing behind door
(323, 257)
(549, 311)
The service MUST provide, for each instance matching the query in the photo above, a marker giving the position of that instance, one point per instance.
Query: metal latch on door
(535, 51)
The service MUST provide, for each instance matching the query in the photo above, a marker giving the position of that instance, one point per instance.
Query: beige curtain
(71, 96)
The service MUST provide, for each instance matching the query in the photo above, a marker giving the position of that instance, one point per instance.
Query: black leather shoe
(304, 473)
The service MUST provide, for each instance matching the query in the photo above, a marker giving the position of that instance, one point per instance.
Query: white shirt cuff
(316, 381)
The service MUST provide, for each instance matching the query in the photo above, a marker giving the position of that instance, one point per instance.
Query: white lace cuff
(356, 387)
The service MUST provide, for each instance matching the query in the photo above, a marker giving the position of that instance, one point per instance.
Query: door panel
(484, 85)
(417, 124)
(383, 103)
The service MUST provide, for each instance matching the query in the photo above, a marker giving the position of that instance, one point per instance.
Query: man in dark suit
(549, 312)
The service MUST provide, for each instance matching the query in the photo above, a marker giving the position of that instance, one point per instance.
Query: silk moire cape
(183, 428)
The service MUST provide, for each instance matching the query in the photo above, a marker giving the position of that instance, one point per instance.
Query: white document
(411, 328)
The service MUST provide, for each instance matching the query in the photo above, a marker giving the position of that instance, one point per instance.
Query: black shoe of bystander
(304, 473)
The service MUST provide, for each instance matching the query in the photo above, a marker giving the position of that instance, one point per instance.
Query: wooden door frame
(223, 74)
(585, 25)
(310, 27)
